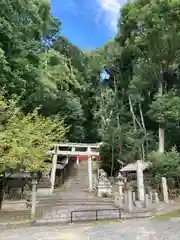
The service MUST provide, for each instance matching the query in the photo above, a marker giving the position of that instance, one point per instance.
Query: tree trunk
(132, 112)
(161, 129)
(144, 127)
(112, 162)
(143, 152)
(142, 118)
(135, 120)
(161, 139)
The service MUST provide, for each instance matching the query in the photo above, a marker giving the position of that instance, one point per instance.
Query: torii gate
(89, 146)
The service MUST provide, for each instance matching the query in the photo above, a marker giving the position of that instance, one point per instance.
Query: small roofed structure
(132, 167)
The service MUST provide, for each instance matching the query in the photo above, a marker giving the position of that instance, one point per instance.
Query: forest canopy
(49, 83)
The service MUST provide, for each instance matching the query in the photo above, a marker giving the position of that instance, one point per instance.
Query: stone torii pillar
(140, 180)
(33, 207)
(53, 170)
(90, 170)
(77, 160)
(165, 190)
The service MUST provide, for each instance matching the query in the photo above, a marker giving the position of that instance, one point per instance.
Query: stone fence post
(165, 190)
(33, 207)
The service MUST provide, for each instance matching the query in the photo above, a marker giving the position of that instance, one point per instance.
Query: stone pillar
(77, 160)
(151, 196)
(33, 207)
(140, 181)
(53, 170)
(125, 200)
(120, 188)
(156, 198)
(165, 190)
(120, 200)
(98, 173)
(133, 196)
(129, 201)
(90, 172)
(120, 193)
(146, 201)
(116, 198)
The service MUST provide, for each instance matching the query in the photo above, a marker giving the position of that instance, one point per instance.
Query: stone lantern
(120, 181)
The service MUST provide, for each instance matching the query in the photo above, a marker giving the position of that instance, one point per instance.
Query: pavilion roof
(132, 167)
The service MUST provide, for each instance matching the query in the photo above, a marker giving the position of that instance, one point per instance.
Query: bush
(165, 164)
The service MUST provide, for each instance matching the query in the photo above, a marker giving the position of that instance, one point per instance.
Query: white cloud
(109, 9)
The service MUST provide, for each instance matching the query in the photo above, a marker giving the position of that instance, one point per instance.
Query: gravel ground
(128, 230)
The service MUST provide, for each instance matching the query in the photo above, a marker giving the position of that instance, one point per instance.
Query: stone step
(81, 204)
(90, 214)
(73, 195)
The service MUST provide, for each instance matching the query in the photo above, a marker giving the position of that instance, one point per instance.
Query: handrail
(96, 212)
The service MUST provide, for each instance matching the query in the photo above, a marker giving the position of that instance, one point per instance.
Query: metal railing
(96, 215)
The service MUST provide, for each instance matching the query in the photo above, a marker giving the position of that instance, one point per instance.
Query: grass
(14, 216)
(167, 216)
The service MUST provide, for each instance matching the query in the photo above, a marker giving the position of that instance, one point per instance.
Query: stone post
(165, 190)
(77, 160)
(53, 170)
(98, 173)
(129, 201)
(33, 207)
(116, 196)
(133, 196)
(151, 196)
(120, 189)
(125, 198)
(120, 192)
(90, 172)
(146, 201)
(140, 181)
(156, 198)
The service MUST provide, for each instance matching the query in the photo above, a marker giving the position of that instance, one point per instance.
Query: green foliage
(165, 165)
(143, 62)
(25, 139)
(43, 68)
(165, 108)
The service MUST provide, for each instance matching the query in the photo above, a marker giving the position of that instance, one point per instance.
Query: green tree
(26, 139)
(151, 29)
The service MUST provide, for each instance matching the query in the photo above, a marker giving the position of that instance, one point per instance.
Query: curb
(24, 223)
(37, 223)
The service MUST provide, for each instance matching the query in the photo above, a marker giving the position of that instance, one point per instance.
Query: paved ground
(129, 230)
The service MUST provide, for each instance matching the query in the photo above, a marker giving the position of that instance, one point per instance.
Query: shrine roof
(132, 167)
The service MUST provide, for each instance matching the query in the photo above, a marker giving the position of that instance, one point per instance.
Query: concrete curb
(34, 223)
(51, 222)
(23, 223)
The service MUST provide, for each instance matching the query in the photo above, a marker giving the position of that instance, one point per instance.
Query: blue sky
(87, 23)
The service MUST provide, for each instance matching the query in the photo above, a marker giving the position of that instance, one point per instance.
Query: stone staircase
(74, 196)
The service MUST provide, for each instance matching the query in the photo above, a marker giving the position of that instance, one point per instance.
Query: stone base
(44, 191)
(139, 204)
(104, 191)
(10, 205)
